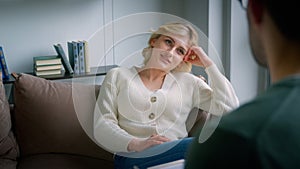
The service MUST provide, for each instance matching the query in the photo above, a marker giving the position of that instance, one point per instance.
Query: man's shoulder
(272, 106)
(250, 117)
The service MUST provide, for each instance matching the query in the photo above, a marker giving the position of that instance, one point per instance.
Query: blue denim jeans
(163, 153)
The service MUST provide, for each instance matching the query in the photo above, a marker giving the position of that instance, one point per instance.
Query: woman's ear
(152, 42)
(188, 55)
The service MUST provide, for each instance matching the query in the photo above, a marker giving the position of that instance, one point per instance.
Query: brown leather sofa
(50, 126)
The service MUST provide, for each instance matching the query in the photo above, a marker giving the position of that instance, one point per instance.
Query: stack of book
(78, 56)
(76, 63)
(47, 65)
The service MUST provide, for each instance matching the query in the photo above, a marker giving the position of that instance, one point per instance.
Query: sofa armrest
(199, 117)
(9, 151)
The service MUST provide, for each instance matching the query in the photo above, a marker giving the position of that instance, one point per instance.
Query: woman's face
(168, 51)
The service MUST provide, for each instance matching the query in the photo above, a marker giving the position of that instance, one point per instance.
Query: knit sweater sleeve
(107, 132)
(219, 97)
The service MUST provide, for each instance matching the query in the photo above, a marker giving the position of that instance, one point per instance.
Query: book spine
(1, 73)
(5, 72)
(63, 56)
(73, 56)
(70, 52)
(81, 57)
(76, 58)
(48, 72)
(46, 60)
(48, 67)
(86, 57)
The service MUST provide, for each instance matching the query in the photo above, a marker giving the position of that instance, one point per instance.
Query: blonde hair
(182, 29)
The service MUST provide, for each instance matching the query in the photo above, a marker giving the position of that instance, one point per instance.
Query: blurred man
(263, 133)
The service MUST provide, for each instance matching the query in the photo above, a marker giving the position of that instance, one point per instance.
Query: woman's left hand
(138, 144)
(198, 57)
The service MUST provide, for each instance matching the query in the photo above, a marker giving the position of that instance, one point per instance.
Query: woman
(143, 110)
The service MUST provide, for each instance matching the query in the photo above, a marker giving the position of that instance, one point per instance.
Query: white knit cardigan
(126, 109)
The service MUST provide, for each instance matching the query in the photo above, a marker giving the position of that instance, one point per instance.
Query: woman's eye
(181, 51)
(168, 42)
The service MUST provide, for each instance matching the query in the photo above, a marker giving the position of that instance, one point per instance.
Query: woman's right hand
(198, 57)
(142, 144)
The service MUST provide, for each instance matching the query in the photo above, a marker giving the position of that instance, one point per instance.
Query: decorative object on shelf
(3, 65)
(65, 61)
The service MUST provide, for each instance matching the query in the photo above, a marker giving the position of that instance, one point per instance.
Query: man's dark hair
(285, 14)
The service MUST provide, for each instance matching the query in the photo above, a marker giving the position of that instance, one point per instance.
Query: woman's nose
(171, 51)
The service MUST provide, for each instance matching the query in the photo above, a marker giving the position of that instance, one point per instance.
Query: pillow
(49, 117)
(8, 146)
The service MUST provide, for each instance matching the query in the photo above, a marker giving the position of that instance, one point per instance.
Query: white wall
(244, 72)
(228, 34)
(127, 29)
(30, 27)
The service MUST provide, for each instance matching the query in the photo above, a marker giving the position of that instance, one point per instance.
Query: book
(48, 72)
(4, 69)
(81, 57)
(48, 67)
(86, 57)
(1, 73)
(73, 56)
(46, 60)
(65, 61)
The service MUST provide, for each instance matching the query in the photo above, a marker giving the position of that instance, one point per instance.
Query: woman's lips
(165, 59)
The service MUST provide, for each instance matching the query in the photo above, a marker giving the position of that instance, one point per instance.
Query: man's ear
(256, 10)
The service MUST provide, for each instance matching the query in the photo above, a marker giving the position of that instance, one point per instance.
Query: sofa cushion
(49, 114)
(8, 146)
